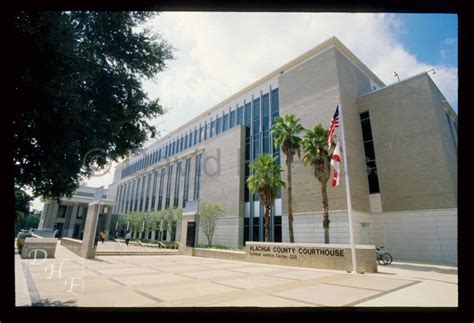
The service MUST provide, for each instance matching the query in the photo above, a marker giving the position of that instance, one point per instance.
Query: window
(132, 194)
(240, 115)
(127, 193)
(176, 184)
(218, 125)
(136, 194)
(197, 177)
(160, 191)
(225, 122)
(265, 112)
(246, 189)
(213, 128)
(187, 169)
(190, 143)
(200, 133)
(79, 212)
(232, 119)
(168, 186)
(205, 130)
(186, 141)
(61, 211)
(153, 192)
(369, 153)
(148, 190)
(195, 136)
(274, 105)
(142, 194)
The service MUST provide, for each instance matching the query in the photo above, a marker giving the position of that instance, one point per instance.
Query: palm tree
(285, 135)
(265, 181)
(319, 156)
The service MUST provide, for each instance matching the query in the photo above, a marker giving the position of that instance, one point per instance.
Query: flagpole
(348, 189)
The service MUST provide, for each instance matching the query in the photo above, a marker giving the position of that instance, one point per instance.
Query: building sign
(327, 256)
(293, 252)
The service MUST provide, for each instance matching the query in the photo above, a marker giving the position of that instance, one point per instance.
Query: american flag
(335, 163)
(332, 126)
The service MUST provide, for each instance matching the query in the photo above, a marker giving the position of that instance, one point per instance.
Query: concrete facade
(414, 132)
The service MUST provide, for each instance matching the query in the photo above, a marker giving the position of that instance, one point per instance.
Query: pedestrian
(102, 236)
(127, 237)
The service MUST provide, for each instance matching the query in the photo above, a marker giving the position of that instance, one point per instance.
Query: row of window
(207, 130)
(147, 193)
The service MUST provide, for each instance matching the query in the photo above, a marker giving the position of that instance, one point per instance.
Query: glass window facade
(257, 116)
(369, 153)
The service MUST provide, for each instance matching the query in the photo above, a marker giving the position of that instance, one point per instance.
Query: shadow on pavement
(425, 268)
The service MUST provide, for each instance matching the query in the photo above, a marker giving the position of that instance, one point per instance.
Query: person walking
(102, 236)
(127, 237)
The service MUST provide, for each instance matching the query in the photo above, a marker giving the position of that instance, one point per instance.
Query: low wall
(324, 256)
(219, 254)
(39, 248)
(72, 244)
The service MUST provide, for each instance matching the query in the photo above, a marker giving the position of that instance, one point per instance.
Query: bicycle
(383, 257)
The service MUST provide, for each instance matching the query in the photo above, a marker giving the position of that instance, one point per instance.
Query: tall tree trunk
(325, 212)
(267, 222)
(290, 200)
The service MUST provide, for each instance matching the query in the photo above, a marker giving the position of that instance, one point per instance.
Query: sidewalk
(178, 280)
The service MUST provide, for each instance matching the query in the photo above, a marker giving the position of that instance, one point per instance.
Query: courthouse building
(402, 156)
(69, 216)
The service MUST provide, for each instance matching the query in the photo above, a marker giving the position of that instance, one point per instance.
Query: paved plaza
(178, 280)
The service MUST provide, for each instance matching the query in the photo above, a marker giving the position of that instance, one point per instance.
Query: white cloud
(221, 53)
(449, 41)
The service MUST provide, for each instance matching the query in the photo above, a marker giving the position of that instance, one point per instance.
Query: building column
(43, 216)
(72, 221)
(88, 246)
(108, 221)
(52, 214)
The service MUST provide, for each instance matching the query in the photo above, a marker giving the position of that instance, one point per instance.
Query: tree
(27, 221)
(317, 154)
(172, 216)
(285, 132)
(77, 87)
(265, 181)
(209, 213)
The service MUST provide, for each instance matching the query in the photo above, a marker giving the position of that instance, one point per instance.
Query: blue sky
(433, 38)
